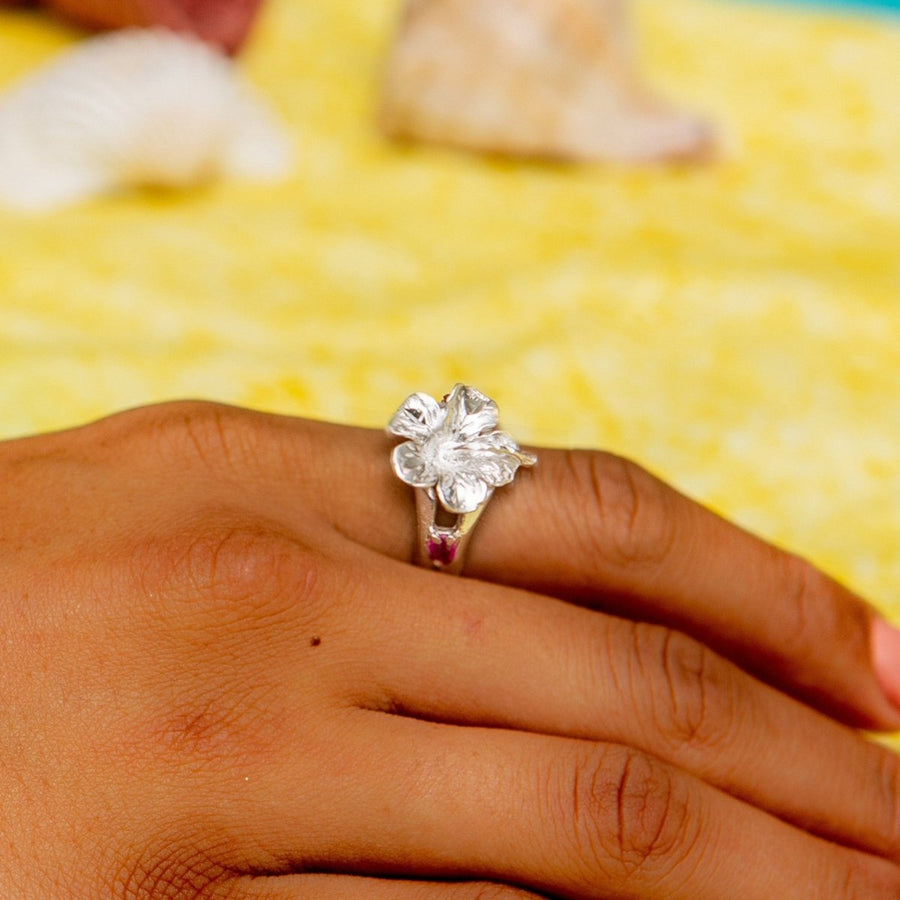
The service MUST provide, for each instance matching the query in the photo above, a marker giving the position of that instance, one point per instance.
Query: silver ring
(454, 456)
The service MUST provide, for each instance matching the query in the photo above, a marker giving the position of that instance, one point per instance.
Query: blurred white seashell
(131, 108)
(545, 78)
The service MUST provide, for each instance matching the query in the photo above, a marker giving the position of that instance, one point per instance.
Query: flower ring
(455, 456)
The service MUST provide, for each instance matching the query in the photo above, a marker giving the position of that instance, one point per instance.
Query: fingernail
(886, 658)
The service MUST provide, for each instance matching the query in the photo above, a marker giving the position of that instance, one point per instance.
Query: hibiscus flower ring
(455, 456)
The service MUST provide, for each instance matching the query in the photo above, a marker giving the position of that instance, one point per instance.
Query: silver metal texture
(455, 456)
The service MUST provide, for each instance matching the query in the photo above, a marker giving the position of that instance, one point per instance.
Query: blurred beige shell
(130, 108)
(546, 78)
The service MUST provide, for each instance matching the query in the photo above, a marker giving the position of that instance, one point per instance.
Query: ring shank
(442, 536)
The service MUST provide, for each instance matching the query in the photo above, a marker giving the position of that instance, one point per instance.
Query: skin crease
(223, 678)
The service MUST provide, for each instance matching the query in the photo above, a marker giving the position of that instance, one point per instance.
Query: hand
(222, 679)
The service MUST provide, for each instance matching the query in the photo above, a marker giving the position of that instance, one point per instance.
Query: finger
(583, 526)
(599, 530)
(619, 532)
(492, 656)
(350, 887)
(610, 533)
(557, 816)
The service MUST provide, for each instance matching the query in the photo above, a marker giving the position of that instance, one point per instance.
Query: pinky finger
(351, 887)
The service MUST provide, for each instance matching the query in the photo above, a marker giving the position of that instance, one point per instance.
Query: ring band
(454, 456)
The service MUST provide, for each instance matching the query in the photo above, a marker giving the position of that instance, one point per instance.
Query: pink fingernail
(886, 658)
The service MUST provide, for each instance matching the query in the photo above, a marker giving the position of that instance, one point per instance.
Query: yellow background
(736, 327)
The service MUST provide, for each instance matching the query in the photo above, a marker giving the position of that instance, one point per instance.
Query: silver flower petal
(418, 417)
(462, 492)
(413, 467)
(501, 441)
(455, 446)
(495, 458)
(470, 413)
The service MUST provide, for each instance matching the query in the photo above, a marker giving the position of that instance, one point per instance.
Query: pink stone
(442, 551)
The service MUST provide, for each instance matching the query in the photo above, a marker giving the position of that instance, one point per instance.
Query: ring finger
(603, 532)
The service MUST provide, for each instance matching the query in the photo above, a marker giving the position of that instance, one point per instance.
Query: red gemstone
(442, 550)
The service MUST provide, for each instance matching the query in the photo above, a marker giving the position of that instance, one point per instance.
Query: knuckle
(215, 434)
(817, 613)
(231, 573)
(805, 613)
(629, 814)
(695, 695)
(218, 609)
(649, 813)
(634, 526)
(237, 563)
(816, 618)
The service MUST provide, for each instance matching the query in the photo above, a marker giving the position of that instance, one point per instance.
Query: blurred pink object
(223, 23)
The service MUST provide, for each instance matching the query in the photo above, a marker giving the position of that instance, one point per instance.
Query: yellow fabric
(736, 326)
